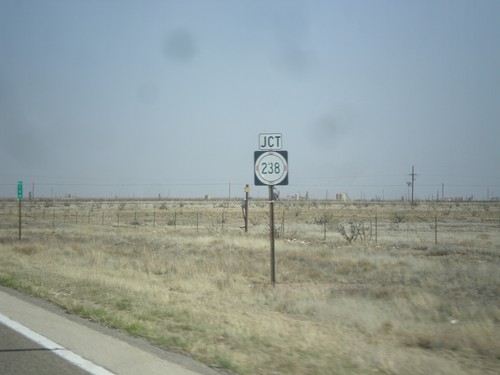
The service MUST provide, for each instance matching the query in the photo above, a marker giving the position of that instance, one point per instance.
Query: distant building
(341, 197)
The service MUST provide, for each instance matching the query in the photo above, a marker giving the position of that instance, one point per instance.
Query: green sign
(19, 190)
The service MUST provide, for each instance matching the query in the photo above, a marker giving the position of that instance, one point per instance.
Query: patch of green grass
(170, 342)
(222, 360)
(259, 341)
(9, 281)
(137, 329)
(123, 304)
(160, 313)
(12, 281)
(94, 313)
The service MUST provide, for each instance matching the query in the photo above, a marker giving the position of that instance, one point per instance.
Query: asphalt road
(19, 355)
(44, 333)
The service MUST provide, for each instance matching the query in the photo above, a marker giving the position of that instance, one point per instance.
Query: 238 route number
(271, 168)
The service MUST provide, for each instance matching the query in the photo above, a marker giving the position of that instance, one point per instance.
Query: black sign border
(256, 155)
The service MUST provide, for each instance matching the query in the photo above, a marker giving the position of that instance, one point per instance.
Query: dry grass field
(361, 287)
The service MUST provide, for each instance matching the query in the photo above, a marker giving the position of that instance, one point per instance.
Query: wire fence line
(424, 223)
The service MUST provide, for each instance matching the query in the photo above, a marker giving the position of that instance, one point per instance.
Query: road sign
(19, 190)
(270, 141)
(271, 168)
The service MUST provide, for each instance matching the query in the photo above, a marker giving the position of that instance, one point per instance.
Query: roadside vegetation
(361, 288)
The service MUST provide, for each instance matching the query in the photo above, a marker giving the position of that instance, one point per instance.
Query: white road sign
(270, 141)
(271, 167)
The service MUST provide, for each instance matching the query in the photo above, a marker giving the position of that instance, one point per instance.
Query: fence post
(283, 225)
(371, 228)
(435, 229)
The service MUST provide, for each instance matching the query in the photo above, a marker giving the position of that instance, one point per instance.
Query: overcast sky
(140, 98)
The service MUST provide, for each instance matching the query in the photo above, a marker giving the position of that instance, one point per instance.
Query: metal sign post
(271, 231)
(19, 198)
(271, 169)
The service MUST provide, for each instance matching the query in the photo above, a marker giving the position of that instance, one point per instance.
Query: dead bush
(351, 230)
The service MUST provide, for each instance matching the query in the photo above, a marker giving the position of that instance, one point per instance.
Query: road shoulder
(108, 348)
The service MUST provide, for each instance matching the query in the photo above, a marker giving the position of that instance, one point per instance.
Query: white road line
(54, 347)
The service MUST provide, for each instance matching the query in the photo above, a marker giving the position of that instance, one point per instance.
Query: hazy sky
(104, 98)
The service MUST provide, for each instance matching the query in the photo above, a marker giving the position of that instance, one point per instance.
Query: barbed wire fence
(399, 223)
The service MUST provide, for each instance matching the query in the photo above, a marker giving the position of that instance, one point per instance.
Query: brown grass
(401, 305)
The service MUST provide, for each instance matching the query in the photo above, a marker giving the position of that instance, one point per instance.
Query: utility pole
(412, 182)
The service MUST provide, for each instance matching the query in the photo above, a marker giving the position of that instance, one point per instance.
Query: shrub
(351, 230)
